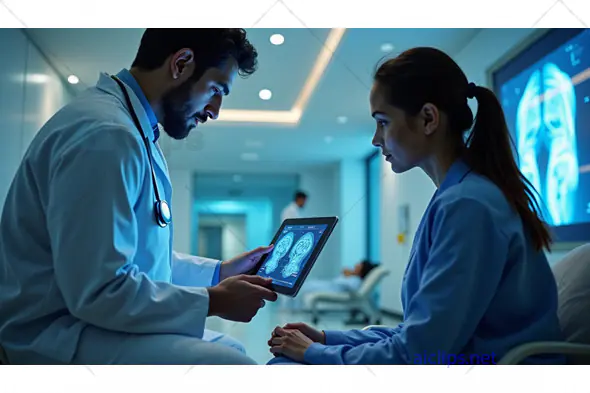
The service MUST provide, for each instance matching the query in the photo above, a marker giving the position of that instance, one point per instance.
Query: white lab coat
(79, 245)
(291, 211)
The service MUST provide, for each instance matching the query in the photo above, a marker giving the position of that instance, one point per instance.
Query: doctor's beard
(178, 121)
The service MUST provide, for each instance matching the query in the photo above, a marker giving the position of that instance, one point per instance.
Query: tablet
(297, 245)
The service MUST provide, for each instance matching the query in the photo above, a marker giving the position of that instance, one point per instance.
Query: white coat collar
(109, 86)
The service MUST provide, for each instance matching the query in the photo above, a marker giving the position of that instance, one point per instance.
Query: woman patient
(477, 282)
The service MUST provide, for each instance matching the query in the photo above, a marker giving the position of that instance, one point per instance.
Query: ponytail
(428, 75)
(489, 152)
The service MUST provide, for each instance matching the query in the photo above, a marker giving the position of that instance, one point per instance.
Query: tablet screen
(291, 252)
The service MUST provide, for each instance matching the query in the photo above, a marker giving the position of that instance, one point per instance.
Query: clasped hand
(293, 339)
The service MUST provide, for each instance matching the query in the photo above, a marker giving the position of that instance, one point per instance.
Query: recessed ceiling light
(387, 47)
(36, 78)
(328, 139)
(265, 94)
(277, 39)
(342, 119)
(73, 79)
(249, 157)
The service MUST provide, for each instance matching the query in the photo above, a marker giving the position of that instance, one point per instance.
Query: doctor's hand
(290, 343)
(317, 336)
(240, 297)
(243, 263)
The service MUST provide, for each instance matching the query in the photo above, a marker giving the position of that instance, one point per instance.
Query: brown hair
(427, 75)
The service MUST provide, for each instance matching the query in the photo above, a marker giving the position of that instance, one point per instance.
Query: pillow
(572, 275)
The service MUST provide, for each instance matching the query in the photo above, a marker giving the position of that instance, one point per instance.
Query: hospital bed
(572, 274)
(362, 300)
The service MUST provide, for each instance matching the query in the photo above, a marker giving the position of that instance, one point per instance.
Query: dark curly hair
(211, 47)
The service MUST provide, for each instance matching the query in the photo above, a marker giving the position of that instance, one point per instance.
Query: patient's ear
(430, 117)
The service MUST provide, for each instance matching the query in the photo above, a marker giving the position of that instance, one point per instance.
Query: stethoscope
(161, 207)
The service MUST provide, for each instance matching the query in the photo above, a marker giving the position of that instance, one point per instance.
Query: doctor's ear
(181, 63)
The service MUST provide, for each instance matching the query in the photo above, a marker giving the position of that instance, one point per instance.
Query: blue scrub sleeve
(93, 230)
(443, 313)
(356, 337)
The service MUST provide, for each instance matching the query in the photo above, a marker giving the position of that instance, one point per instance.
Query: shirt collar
(130, 81)
(455, 175)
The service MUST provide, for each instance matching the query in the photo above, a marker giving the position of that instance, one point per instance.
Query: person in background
(478, 282)
(293, 209)
(361, 269)
(350, 280)
(87, 270)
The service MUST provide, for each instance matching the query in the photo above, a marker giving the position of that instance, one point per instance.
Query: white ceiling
(317, 139)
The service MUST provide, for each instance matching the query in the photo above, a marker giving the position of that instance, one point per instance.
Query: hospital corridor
(284, 196)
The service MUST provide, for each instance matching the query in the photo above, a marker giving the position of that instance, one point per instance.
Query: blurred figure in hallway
(293, 209)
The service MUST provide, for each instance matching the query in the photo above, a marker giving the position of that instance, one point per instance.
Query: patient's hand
(290, 343)
(314, 335)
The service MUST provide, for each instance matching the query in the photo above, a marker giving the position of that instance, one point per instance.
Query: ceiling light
(342, 119)
(387, 47)
(277, 39)
(249, 157)
(73, 79)
(35, 78)
(328, 139)
(292, 116)
(265, 94)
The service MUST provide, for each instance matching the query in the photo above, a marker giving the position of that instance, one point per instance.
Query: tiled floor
(255, 334)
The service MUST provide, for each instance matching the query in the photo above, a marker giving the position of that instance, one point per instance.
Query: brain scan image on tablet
(278, 252)
(298, 253)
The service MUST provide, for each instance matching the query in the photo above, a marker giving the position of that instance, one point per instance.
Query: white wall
(414, 187)
(321, 184)
(353, 212)
(486, 49)
(338, 190)
(30, 93)
(233, 234)
(203, 239)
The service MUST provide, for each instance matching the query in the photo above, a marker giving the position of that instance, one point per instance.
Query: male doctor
(87, 270)
(293, 209)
